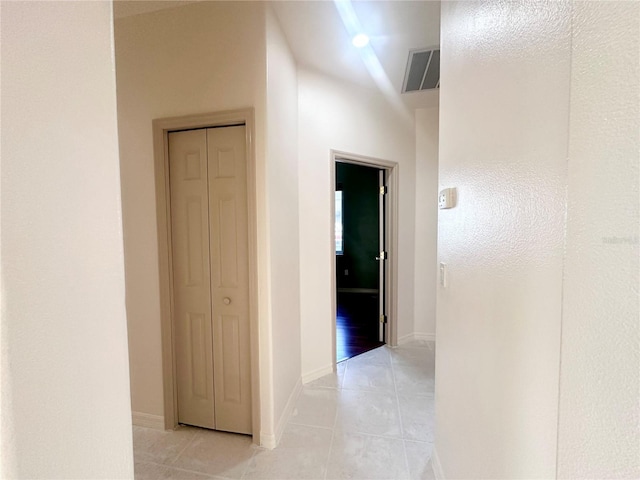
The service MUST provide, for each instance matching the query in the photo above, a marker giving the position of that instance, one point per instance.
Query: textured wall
(540, 113)
(504, 105)
(599, 433)
(65, 382)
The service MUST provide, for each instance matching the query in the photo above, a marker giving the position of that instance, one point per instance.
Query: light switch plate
(447, 198)
(443, 275)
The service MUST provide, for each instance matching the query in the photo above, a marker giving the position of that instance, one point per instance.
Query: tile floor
(373, 419)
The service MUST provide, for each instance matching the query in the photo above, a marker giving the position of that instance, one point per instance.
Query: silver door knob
(226, 300)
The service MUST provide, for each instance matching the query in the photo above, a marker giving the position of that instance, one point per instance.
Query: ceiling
(127, 8)
(321, 40)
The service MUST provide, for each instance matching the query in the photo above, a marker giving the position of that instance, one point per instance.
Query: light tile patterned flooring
(373, 419)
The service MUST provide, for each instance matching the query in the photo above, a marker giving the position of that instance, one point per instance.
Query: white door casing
(390, 272)
(382, 259)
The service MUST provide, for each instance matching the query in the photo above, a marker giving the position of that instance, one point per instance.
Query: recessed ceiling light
(360, 40)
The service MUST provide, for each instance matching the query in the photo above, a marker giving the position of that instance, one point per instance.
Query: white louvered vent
(423, 70)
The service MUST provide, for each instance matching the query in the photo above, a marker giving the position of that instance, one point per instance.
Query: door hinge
(383, 190)
(383, 256)
(383, 319)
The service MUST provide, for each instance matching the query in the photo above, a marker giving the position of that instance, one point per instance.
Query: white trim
(268, 441)
(147, 420)
(437, 466)
(427, 337)
(271, 441)
(317, 373)
(391, 216)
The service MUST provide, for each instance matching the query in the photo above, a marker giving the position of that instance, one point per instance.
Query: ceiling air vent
(423, 70)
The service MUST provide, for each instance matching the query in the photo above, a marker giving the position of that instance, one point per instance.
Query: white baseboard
(268, 441)
(427, 337)
(437, 466)
(314, 375)
(147, 420)
(271, 441)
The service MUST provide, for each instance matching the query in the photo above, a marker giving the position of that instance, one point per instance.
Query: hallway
(373, 419)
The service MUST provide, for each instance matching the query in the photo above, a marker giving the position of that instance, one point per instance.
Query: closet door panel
(228, 221)
(193, 335)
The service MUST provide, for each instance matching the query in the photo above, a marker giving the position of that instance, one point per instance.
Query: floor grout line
(400, 419)
(180, 469)
(335, 422)
(186, 470)
(175, 459)
(246, 467)
(310, 426)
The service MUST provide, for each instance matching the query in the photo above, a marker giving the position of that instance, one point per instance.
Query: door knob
(226, 300)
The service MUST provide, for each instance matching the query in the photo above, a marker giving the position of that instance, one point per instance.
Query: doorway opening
(364, 264)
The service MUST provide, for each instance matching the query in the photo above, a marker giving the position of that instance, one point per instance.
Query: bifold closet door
(192, 325)
(228, 220)
(208, 178)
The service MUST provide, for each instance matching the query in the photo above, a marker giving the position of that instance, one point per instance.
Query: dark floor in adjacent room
(357, 323)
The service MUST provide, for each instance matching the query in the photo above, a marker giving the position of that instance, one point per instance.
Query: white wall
(504, 105)
(339, 116)
(199, 58)
(599, 379)
(425, 280)
(283, 198)
(208, 57)
(65, 383)
(538, 335)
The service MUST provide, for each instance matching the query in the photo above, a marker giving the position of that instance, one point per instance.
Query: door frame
(161, 129)
(391, 240)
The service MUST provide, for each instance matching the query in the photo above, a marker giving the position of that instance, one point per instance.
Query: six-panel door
(207, 171)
